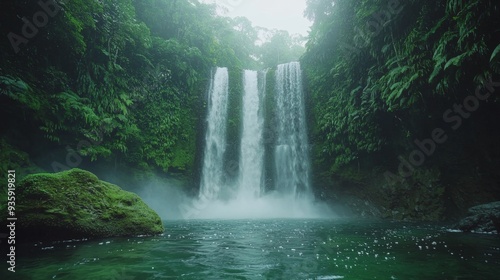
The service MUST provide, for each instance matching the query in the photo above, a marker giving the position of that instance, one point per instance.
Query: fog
(169, 200)
(269, 206)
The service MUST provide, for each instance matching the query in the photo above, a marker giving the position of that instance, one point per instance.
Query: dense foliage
(384, 75)
(120, 80)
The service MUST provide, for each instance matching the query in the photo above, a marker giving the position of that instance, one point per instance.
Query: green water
(270, 249)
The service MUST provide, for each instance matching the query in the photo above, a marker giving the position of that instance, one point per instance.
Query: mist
(169, 199)
(273, 205)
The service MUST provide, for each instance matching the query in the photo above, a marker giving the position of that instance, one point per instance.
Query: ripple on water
(272, 249)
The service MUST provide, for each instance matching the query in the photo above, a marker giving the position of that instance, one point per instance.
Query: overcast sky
(272, 14)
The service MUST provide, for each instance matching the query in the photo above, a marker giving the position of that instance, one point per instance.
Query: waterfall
(212, 176)
(284, 158)
(291, 151)
(252, 146)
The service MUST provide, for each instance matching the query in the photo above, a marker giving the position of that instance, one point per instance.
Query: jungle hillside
(402, 96)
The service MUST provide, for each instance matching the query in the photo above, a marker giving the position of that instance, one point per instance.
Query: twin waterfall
(273, 156)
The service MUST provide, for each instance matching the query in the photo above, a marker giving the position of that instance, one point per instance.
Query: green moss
(12, 158)
(76, 203)
(184, 152)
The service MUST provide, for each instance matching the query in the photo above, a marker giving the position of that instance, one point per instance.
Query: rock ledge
(482, 218)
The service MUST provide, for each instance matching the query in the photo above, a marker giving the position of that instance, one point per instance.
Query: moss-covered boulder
(75, 203)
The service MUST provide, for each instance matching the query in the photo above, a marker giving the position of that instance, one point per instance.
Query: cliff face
(428, 195)
(402, 106)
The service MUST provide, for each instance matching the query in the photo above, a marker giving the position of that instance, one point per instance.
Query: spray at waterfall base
(291, 195)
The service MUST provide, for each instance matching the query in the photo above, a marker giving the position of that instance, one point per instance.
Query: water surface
(270, 249)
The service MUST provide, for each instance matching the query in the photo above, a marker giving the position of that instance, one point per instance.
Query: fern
(495, 53)
(19, 91)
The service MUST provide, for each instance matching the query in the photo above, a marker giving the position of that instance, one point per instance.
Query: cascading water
(215, 140)
(291, 152)
(292, 197)
(252, 146)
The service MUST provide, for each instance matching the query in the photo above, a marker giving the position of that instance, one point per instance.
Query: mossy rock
(75, 204)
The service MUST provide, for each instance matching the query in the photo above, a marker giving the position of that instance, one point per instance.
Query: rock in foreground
(75, 204)
(482, 218)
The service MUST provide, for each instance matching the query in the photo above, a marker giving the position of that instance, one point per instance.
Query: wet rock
(482, 218)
